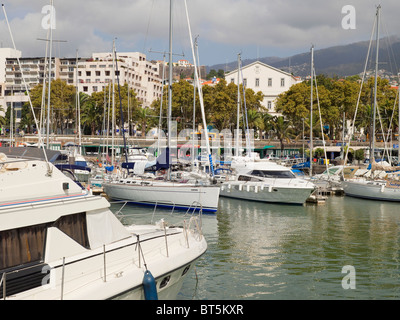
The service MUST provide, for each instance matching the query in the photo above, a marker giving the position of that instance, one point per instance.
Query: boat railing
(155, 208)
(194, 224)
(120, 215)
(195, 207)
(33, 269)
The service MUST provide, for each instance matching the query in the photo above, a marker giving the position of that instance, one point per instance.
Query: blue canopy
(163, 160)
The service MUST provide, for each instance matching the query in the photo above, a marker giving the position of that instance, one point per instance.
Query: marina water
(259, 251)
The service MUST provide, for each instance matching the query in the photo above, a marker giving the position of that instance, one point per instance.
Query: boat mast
(398, 126)
(113, 107)
(49, 86)
(78, 106)
(199, 88)
(238, 109)
(311, 110)
(376, 83)
(194, 108)
(169, 126)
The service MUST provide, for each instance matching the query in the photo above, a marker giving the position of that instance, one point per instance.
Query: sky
(254, 28)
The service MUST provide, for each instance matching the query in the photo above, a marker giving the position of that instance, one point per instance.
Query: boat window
(22, 245)
(244, 178)
(273, 174)
(75, 227)
(248, 178)
(26, 245)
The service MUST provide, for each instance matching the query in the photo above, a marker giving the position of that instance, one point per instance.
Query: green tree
(2, 118)
(145, 118)
(282, 129)
(218, 74)
(62, 102)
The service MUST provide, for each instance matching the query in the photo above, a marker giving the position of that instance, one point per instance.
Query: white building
(262, 77)
(142, 76)
(4, 54)
(94, 74)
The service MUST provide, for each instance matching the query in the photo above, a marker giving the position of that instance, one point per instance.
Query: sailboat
(162, 191)
(373, 188)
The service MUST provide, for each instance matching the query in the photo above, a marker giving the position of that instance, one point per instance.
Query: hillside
(342, 61)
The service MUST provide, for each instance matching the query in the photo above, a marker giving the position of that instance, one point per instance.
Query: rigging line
(148, 27)
(26, 89)
(391, 55)
(359, 95)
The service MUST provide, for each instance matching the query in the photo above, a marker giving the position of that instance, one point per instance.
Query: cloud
(276, 27)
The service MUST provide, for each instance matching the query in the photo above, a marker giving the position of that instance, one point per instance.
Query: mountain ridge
(342, 60)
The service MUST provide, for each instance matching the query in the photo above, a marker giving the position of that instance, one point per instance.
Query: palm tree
(282, 130)
(144, 117)
(2, 118)
(267, 122)
(91, 114)
(255, 120)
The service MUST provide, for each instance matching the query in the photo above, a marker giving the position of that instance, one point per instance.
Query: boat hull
(178, 196)
(371, 190)
(266, 193)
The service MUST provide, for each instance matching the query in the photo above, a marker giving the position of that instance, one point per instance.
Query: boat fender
(382, 188)
(240, 187)
(248, 188)
(269, 188)
(149, 286)
(256, 189)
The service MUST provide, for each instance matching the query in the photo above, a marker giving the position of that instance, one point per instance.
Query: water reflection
(264, 251)
(297, 252)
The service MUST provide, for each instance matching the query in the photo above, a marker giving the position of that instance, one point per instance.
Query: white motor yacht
(266, 181)
(60, 242)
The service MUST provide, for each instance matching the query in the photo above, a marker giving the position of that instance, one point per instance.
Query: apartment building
(92, 75)
(142, 76)
(262, 77)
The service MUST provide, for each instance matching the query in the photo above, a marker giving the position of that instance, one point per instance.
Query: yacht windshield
(273, 174)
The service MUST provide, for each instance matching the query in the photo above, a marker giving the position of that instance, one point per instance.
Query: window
(25, 245)
(232, 80)
(245, 82)
(269, 82)
(88, 73)
(269, 105)
(257, 82)
(97, 73)
(282, 82)
(273, 174)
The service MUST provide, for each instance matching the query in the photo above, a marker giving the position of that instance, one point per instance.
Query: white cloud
(279, 27)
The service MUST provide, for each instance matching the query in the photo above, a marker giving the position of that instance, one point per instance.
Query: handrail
(119, 215)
